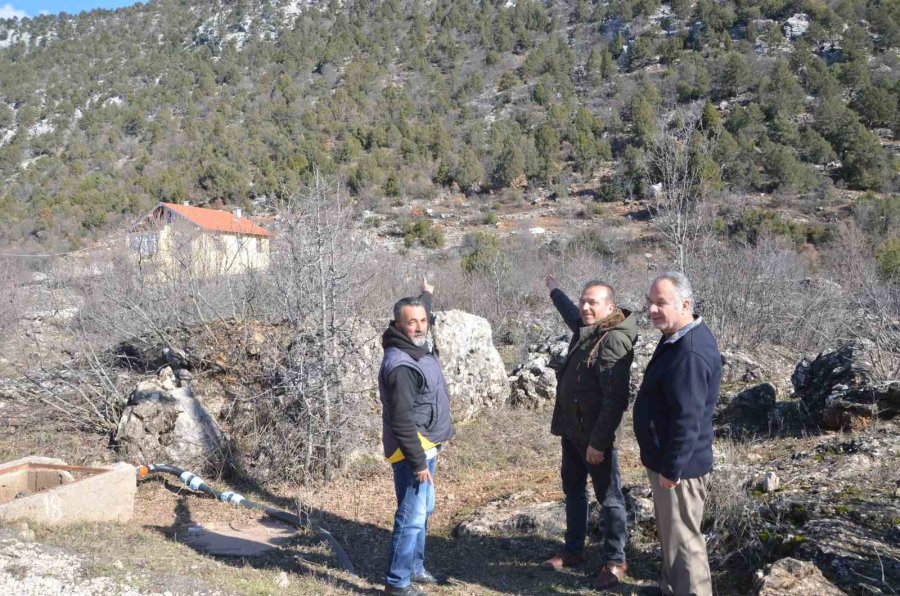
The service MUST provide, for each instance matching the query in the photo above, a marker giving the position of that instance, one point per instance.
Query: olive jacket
(594, 381)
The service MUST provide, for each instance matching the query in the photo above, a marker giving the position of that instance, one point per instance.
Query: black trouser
(607, 487)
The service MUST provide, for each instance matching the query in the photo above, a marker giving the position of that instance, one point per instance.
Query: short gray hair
(403, 302)
(681, 285)
(596, 282)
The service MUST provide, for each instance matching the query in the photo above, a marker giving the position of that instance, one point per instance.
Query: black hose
(196, 483)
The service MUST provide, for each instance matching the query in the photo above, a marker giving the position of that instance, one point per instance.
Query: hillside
(238, 103)
(482, 146)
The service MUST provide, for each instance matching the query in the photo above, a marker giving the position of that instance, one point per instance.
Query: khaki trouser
(679, 511)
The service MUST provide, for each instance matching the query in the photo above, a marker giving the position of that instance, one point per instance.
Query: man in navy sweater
(673, 425)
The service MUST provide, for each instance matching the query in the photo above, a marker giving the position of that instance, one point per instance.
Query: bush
(876, 106)
(887, 257)
(591, 240)
(771, 300)
(480, 250)
(611, 192)
(421, 229)
(392, 186)
(878, 215)
(755, 224)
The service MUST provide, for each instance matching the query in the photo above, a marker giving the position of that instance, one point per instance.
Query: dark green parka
(593, 383)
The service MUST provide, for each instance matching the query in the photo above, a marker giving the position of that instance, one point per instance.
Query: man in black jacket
(591, 396)
(415, 422)
(673, 426)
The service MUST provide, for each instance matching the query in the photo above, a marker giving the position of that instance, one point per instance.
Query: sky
(33, 8)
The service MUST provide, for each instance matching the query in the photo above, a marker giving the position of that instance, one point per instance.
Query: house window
(144, 245)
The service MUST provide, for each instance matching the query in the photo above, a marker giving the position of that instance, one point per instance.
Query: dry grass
(508, 453)
(504, 453)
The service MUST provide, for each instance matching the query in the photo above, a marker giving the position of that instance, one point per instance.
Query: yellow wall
(182, 249)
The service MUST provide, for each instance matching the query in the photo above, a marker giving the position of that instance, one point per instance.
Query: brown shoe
(563, 559)
(610, 575)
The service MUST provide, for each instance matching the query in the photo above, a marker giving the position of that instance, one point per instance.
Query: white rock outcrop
(475, 374)
(167, 424)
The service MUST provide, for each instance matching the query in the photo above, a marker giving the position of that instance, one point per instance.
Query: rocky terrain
(794, 504)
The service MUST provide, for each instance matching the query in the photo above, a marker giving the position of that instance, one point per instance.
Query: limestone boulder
(163, 423)
(852, 554)
(533, 388)
(854, 409)
(475, 373)
(790, 577)
(848, 365)
(533, 382)
(495, 519)
(841, 391)
(519, 514)
(639, 505)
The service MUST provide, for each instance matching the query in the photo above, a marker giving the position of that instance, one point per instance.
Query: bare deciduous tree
(10, 295)
(683, 174)
(315, 412)
(774, 299)
(873, 303)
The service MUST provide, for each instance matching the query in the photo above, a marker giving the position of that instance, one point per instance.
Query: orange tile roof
(215, 220)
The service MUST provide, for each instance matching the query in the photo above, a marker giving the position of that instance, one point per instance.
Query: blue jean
(415, 502)
(607, 487)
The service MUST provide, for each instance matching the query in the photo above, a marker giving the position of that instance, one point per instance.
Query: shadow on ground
(506, 564)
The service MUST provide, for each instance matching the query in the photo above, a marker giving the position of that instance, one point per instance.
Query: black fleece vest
(431, 408)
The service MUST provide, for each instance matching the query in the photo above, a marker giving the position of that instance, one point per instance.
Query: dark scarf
(394, 338)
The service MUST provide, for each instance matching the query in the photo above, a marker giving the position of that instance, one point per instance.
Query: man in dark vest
(673, 415)
(416, 421)
(591, 397)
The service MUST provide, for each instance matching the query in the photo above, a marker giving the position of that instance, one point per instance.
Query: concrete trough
(51, 492)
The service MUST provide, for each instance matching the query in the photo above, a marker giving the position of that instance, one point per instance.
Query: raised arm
(564, 305)
(425, 296)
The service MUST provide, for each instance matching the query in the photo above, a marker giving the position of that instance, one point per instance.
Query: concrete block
(48, 491)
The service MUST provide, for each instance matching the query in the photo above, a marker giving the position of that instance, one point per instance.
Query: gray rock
(167, 379)
(852, 555)
(281, 580)
(770, 482)
(502, 518)
(533, 361)
(534, 388)
(839, 387)
(747, 411)
(790, 577)
(475, 374)
(558, 351)
(517, 515)
(848, 364)
(639, 505)
(738, 367)
(171, 426)
(854, 409)
(796, 26)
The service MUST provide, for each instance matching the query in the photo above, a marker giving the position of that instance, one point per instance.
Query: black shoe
(427, 579)
(404, 591)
